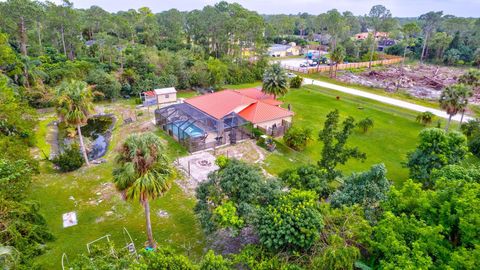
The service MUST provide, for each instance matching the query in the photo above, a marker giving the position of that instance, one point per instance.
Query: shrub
(307, 177)
(425, 118)
(291, 222)
(214, 262)
(471, 127)
(435, 150)
(104, 83)
(365, 124)
(70, 160)
(257, 133)
(297, 138)
(221, 161)
(474, 146)
(225, 216)
(296, 82)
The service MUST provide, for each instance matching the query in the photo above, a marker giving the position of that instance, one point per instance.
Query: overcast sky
(399, 8)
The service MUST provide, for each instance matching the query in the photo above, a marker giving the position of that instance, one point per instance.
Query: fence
(307, 70)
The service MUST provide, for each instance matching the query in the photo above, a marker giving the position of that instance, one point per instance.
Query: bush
(471, 128)
(425, 118)
(307, 177)
(70, 160)
(104, 83)
(257, 133)
(297, 138)
(365, 124)
(474, 146)
(435, 150)
(221, 161)
(296, 82)
(292, 222)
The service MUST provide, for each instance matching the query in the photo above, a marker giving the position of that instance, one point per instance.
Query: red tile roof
(254, 93)
(243, 102)
(221, 103)
(260, 112)
(149, 93)
(259, 95)
(273, 102)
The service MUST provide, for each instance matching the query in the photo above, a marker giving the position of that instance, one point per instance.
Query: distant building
(364, 35)
(385, 43)
(323, 39)
(280, 50)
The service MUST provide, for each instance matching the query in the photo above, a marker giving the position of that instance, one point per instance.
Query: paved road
(391, 101)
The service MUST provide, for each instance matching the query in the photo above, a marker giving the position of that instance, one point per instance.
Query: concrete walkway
(387, 100)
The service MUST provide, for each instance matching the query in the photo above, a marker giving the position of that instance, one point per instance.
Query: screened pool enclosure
(197, 130)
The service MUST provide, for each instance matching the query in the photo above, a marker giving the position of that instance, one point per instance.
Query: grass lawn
(399, 95)
(41, 135)
(393, 135)
(241, 86)
(186, 93)
(100, 209)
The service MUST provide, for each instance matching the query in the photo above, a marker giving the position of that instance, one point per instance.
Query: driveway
(387, 100)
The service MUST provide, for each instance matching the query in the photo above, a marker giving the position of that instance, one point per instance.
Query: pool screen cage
(197, 130)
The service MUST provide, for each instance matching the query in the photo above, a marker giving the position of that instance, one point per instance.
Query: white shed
(166, 95)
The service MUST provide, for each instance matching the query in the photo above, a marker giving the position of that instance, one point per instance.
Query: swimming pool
(188, 128)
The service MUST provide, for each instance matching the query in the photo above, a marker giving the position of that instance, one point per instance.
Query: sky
(399, 8)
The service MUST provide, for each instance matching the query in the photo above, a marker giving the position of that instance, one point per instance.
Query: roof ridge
(273, 105)
(255, 112)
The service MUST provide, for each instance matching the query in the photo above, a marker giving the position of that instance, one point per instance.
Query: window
(167, 95)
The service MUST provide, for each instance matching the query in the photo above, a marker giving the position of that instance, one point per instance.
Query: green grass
(398, 95)
(81, 191)
(241, 86)
(393, 135)
(186, 93)
(41, 135)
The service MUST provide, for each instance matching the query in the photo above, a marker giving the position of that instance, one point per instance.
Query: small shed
(166, 95)
(148, 98)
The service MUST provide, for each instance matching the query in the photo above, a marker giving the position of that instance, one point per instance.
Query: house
(223, 117)
(280, 50)
(323, 39)
(385, 43)
(364, 35)
(161, 96)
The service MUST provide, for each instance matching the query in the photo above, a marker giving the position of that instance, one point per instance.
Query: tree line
(127, 52)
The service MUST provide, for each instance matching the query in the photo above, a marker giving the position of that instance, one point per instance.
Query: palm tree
(275, 81)
(337, 56)
(143, 173)
(425, 118)
(365, 124)
(450, 102)
(75, 104)
(464, 93)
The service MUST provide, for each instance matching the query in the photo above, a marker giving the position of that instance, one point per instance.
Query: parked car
(304, 64)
